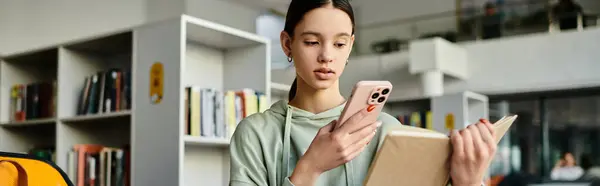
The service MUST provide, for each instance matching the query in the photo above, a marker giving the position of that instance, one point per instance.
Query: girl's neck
(314, 100)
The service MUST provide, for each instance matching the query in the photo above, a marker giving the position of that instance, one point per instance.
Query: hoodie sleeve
(247, 164)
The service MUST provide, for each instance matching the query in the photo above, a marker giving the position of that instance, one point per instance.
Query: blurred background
(539, 59)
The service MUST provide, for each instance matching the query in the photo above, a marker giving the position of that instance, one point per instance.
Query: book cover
(417, 156)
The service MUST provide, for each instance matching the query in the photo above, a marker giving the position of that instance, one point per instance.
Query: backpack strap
(22, 181)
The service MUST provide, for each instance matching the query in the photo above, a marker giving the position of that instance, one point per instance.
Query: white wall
(224, 12)
(270, 26)
(32, 24)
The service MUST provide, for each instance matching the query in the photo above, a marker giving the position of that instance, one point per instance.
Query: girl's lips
(324, 75)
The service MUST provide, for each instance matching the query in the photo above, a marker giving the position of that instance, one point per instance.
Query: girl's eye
(340, 44)
(310, 43)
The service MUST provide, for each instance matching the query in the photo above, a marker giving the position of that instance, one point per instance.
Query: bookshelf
(193, 53)
(465, 108)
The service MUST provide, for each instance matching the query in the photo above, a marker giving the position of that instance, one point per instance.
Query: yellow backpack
(27, 170)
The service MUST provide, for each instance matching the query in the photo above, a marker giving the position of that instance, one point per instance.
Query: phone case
(370, 95)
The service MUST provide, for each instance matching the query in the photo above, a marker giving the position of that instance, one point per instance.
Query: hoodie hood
(282, 108)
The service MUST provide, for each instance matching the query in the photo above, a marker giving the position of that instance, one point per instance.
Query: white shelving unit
(279, 91)
(464, 108)
(192, 51)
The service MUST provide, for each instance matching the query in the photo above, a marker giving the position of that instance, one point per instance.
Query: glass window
(573, 125)
(520, 148)
(574, 128)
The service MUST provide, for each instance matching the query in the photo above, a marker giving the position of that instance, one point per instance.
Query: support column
(545, 134)
(432, 83)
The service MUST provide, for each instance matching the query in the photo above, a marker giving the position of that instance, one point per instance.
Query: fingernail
(370, 108)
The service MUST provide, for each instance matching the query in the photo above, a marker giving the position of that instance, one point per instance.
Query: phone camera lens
(381, 99)
(385, 91)
(375, 96)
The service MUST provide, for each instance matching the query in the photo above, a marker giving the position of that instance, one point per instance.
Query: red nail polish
(370, 108)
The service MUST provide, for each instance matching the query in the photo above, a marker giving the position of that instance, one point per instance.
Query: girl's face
(321, 45)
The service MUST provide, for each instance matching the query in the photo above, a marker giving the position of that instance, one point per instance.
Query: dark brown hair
(296, 12)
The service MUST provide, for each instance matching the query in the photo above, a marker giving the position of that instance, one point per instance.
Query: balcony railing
(467, 24)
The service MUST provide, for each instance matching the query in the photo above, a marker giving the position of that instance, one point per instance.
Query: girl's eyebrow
(319, 34)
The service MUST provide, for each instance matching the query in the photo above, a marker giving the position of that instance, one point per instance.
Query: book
(417, 156)
(214, 113)
(99, 165)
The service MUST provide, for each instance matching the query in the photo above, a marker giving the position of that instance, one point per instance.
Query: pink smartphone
(370, 95)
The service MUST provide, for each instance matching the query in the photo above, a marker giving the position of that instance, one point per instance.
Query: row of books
(421, 119)
(33, 101)
(105, 91)
(214, 113)
(98, 165)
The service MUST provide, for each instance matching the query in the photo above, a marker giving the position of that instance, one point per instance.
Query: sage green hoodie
(266, 147)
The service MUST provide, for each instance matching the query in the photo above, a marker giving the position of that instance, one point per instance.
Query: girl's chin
(322, 84)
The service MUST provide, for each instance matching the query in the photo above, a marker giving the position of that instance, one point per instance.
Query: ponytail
(293, 88)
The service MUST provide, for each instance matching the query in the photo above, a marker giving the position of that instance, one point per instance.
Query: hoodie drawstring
(286, 142)
(286, 150)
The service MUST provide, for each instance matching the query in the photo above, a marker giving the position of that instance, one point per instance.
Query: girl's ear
(286, 43)
(351, 44)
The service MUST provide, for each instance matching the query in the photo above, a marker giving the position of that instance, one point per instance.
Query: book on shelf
(105, 91)
(33, 101)
(213, 113)
(93, 164)
(417, 156)
(422, 119)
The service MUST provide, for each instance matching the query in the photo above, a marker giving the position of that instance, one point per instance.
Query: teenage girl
(292, 143)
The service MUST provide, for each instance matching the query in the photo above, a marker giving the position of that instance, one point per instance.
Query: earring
(289, 58)
(346, 62)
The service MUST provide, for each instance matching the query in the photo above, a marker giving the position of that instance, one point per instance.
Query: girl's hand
(330, 149)
(473, 150)
(560, 163)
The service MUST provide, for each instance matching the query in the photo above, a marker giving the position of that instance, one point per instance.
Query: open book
(415, 156)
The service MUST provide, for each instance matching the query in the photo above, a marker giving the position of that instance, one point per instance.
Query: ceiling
(277, 5)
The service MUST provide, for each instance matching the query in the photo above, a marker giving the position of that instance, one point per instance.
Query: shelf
(45, 121)
(105, 117)
(280, 87)
(219, 36)
(205, 141)
(148, 60)
(26, 135)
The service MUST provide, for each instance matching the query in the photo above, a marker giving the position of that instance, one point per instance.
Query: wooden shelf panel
(280, 87)
(206, 141)
(98, 117)
(45, 121)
